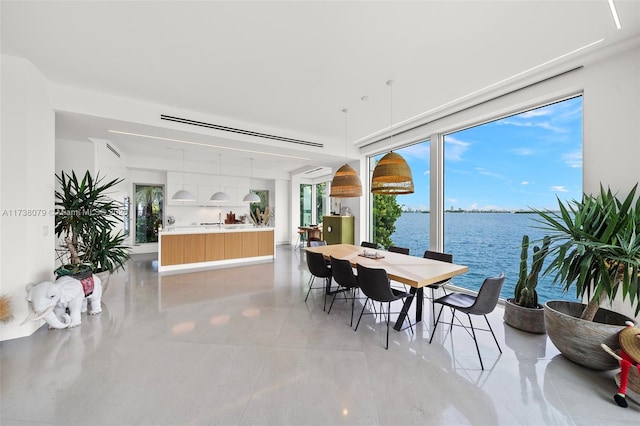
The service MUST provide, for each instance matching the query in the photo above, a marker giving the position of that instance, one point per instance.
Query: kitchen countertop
(206, 229)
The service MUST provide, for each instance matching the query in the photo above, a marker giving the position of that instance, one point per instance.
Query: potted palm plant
(523, 310)
(86, 218)
(595, 248)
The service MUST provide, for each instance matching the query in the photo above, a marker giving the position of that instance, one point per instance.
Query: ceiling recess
(239, 131)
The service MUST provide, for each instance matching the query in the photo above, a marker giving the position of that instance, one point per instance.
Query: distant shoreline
(478, 211)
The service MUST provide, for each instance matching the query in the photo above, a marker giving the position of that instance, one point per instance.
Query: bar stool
(302, 238)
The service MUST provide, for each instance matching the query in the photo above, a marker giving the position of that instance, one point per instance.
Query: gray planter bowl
(530, 320)
(580, 340)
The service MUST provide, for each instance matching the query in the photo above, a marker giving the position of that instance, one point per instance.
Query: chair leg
(311, 280)
(362, 312)
(388, 316)
(475, 340)
(436, 324)
(343, 291)
(332, 300)
(494, 336)
(327, 288)
(353, 304)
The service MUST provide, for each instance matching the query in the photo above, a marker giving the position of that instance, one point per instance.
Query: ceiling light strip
(207, 145)
(614, 12)
(239, 131)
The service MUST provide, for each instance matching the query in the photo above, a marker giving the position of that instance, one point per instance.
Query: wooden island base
(213, 247)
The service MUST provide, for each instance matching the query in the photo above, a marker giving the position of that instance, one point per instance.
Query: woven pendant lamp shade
(346, 183)
(392, 176)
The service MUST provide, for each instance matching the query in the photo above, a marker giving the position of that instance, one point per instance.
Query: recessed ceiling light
(206, 145)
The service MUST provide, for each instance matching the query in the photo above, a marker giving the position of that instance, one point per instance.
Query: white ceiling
(292, 66)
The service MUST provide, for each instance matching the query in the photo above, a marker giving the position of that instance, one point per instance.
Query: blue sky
(516, 162)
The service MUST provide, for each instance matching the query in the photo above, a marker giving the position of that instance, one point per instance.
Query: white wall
(282, 201)
(78, 156)
(27, 183)
(612, 128)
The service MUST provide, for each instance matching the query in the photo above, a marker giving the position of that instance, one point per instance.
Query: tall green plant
(386, 211)
(86, 216)
(525, 292)
(595, 247)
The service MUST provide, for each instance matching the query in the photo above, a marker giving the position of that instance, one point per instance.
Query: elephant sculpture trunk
(50, 317)
(51, 300)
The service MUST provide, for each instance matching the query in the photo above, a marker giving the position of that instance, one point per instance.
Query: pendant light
(392, 175)
(220, 196)
(251, 197)
(346, 183)
(183, 195)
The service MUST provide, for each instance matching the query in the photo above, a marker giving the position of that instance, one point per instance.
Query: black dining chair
(367, 244)
(319, 269)
(401, 250)
(375, 284)
(317, 243)
(442, 257)
(347, 281)
(481, 304)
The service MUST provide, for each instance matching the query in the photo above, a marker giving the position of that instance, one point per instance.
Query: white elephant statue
(50, 300)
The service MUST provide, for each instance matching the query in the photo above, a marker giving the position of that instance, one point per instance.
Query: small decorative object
(370, 255)
(50, 301)
(6, 308)
(629, 357)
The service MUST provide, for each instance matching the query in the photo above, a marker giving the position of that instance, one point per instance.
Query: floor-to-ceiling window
(313, 203)
(305, 204)
(321, 201)
(403, 220)
(494, 173)
(149, 213)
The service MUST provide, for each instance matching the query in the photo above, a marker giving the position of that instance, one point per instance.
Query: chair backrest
(401, 250)
(317, 266)
(436, 255)
(488, 295)
(317, 243)
(367, 244)
(343, 273)
(374, 283)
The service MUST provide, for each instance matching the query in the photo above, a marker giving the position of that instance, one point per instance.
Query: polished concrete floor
(240, 346)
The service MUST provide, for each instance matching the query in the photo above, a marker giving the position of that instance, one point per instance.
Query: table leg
(404, 313)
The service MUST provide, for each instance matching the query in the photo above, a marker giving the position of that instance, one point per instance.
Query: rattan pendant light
(183, 195)
(392, 175)
(251, 197)
(346, 183)
(220, 196)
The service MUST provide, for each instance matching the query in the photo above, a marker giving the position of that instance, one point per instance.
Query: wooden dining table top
(411, 270)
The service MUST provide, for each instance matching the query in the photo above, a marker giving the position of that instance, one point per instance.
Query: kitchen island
(215, 246)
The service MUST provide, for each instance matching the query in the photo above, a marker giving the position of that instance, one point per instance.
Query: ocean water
(488, 243)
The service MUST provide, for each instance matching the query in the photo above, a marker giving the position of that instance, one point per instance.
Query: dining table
(416, 272)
